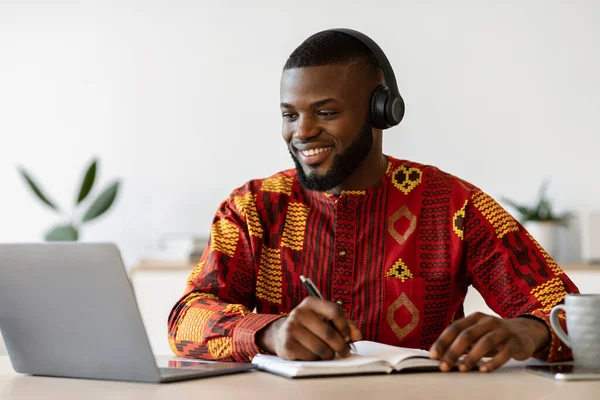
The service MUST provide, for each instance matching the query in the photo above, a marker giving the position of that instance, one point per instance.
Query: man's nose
(306, 128)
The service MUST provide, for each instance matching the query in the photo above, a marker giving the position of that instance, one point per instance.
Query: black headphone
(387, 106)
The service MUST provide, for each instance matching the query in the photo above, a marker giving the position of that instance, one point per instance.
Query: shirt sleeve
(213, 319)
(513, 273)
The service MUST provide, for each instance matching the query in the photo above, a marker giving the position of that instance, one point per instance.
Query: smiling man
(393, 244)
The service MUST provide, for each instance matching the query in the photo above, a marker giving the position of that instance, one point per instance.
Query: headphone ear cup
(394, 111)
(378, 101)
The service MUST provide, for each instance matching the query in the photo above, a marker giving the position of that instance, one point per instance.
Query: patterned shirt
(397, 257)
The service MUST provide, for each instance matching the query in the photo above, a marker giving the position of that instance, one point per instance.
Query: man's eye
(327, 113)
(289, 117)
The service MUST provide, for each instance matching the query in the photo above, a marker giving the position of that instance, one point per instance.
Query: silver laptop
(69, 310)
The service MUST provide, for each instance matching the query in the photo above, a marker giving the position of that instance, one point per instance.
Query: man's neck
(368, 173)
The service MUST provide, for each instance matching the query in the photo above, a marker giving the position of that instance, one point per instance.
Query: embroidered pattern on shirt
(281, 184)
(220, 347)
(551, 263)
(191, 299)
(388, 169)
(399, 270)
(192, 326)
(196, 272)
(550, 293)
(406, 179)
(247, 206)
(238, 309)
(502, 221)
(353, 192)
(270, 275)
(412, 219)
(224, 236)
(295, 225)
(458, 221)
(403, 300)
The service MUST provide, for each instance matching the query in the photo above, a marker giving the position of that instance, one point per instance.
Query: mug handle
(556, 325)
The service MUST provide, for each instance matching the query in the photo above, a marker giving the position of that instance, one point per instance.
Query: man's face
(325, 123)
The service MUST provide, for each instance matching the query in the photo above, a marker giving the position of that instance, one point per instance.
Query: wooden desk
(509, 382)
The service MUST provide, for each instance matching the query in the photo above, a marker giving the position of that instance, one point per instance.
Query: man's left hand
(480, 335)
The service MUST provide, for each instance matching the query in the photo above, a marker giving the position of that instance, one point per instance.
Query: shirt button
(340, 302)
(342, 253)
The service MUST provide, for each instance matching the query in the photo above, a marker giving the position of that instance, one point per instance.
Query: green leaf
(62, 233)
(88, 182)
(544, 210)
(102, 203)
(523, 210)
(35, 188)
(543, 189)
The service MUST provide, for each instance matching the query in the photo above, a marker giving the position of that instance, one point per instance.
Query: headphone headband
(387, 106)
(388, 72)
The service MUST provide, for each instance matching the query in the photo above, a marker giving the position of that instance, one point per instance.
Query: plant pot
(546, 235)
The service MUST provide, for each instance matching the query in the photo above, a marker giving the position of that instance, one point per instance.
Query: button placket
(345, 235)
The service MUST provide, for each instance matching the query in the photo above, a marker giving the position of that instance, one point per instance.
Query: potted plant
(69, 228)
(540, 220)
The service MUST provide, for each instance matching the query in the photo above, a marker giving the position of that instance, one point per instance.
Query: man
(393, 244)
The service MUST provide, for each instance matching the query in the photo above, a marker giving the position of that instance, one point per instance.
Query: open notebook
(371, 358)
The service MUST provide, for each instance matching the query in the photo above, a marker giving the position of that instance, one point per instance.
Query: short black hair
(331, 47)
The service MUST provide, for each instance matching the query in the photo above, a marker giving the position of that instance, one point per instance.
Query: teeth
(314, 152)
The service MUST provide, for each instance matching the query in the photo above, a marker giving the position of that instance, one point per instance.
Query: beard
(343, 165)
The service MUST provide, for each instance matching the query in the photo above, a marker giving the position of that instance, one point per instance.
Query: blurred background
(179, 101)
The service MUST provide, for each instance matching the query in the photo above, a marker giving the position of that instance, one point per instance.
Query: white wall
(180, 100)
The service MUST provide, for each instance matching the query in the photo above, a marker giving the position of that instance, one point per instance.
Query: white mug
(583, 324)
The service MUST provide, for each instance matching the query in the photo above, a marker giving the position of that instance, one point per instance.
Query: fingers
(478, 334)
(331, 312)
(321, 333)
(488, 343)
(313, 343)
(355, 333)
(499, 360)
(455, 339)
(316, 329)
(482, 335)
(295, 351)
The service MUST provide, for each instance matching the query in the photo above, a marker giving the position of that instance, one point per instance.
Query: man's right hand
(306, 333)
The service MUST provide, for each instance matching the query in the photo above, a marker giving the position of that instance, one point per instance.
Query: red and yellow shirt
(397, 257)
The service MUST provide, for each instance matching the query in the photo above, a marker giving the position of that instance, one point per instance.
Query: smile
(314, 152)
(314, 157)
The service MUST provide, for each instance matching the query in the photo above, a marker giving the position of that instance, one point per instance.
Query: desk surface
(509, 382)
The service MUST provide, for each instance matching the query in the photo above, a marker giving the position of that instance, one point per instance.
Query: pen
(314, 292)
